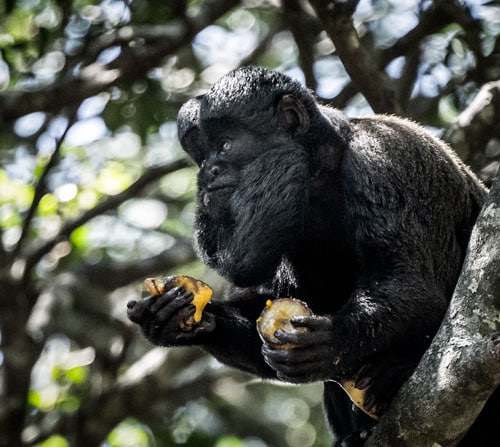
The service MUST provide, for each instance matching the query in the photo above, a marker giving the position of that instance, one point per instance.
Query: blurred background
(96, 195)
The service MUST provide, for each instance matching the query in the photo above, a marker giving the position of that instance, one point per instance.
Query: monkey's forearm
(235, 341)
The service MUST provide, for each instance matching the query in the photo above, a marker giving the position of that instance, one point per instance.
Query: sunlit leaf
(48, 205)
(45, 399)
(54, 441)
(229, 441)
(13, 192)
(87, 199)
(77, 375)
(447, 110)
(69, 404)
(20, 25)
(79, 237)
(6, 40)
(35, 399)
(130, 434)
(113, 179)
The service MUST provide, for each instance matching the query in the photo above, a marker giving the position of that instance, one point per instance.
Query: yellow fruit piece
(155, 286)
(356, 395)
(277, 315)
(202, 293)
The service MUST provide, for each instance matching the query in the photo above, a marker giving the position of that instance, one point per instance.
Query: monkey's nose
(214, 171)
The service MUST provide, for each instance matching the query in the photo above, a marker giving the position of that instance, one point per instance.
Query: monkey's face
(225, 149)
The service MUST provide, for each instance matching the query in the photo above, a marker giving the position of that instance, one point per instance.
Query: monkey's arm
(376, 338)
(227, 330)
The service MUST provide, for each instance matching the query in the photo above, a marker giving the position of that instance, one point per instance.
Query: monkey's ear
(292, 115)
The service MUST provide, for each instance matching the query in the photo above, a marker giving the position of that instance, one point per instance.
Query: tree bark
(461, 369)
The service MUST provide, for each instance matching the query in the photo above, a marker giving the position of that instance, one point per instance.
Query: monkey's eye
(224, 146)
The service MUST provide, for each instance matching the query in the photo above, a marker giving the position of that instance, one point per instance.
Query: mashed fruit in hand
(202, 293)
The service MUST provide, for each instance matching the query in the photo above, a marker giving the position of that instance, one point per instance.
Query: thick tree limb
(477, 126)
(462, 367)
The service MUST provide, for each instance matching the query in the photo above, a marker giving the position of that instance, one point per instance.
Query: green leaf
(130, 433)
(54, 441)
(20, 25)
(113, 179)
(79, 237)
(77, 375)
(69, 404)
(229, 441)
(48, 205)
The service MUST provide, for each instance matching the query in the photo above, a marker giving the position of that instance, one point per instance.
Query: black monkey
(367, 220)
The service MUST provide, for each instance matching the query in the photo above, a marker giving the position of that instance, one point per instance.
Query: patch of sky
(87, 131)
(109, 54)
(216, 45)
(331, 76)
(93, 106)
(30, 124)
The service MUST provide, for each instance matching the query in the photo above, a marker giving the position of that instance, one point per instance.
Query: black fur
(367, 220)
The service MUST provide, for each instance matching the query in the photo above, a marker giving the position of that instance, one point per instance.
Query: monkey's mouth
(218, 187)
(214, 193)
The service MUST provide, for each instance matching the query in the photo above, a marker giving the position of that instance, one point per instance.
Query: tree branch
(431, 20)
(462, 366)
(41, 185)
(362, 68)
(302, 30)
(110, 203)
(477, 126)
(133, 62)
(111, 276)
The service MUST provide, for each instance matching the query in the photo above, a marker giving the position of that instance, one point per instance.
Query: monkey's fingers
(171, 286)
(312, 322)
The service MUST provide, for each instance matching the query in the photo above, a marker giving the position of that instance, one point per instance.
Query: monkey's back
(415, 185)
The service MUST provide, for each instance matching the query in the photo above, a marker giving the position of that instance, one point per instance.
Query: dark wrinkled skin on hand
(382, 380)
(305, 362)
(161, 318)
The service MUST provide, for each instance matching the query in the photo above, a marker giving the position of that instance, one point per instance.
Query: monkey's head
(242, 134)
(265, 101)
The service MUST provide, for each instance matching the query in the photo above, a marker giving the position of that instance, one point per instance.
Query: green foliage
(229, 441)
(131, 433)
(54, 441)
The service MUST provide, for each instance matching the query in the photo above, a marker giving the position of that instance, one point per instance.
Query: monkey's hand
(382, 379)
(163, 318)
(311, 356)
